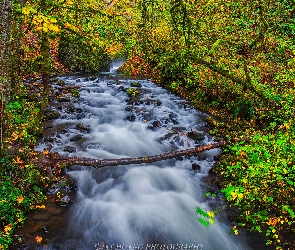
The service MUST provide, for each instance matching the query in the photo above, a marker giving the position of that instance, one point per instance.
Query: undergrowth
(21, 181)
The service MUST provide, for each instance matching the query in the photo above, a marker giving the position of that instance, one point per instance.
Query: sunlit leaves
(45, 24)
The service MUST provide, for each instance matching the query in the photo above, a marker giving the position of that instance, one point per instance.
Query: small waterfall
(138, 205)
(115, 64)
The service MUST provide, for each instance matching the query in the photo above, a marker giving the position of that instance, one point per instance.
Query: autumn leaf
(18, 160)
(7, 228)
(25, 11)
(20, 199)
(38, 239)
(39, 206)
(46, 152)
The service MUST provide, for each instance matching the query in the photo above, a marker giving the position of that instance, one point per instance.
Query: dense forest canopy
(235, 59)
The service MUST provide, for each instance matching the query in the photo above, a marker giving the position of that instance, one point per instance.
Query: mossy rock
(214, 124)
(60, 82)
(197, 137)
(135, 84)
(51, 114)
(75, 93)
(132, 92)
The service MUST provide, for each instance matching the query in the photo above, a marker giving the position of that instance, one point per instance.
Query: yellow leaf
(7, 229)
(233, 194)
(25, 11)
(54, 28)
(287, 125)
(211, 214)
(240, 196)
(211, 221)
(40, 206)
(53, 20)
(14, 136)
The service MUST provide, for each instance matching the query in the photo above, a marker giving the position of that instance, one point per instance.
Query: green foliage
(23, 117)
(77, 54)
(19, 190)
(206, 216)
(259, 179)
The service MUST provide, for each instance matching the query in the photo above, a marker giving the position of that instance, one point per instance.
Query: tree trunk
(69, 161)
(5, 27)
(15, 45)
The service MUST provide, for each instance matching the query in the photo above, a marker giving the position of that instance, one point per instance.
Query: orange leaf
(20, 199)
(38, 239)
(18, 160)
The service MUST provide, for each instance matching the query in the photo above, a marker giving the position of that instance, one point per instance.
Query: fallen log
(96, 163)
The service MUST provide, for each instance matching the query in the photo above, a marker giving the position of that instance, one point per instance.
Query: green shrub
(259, 178)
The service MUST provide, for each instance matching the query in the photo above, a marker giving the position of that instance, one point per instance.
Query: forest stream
(145, 206)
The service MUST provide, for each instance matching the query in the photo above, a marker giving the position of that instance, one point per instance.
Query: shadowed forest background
(232, 59)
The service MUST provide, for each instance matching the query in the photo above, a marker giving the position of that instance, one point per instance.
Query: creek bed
(137, 206)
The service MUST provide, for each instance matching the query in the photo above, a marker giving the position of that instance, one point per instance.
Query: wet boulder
(62, 198)
(49, 139)
(83, 128)
(80, 116)
(76, 137)
(79, 110)
(121, 88)
(129, 108)
(155, 124)
(134, 101)
(177, 129)
(69, 149)
(70, 108)
(131, 117)
(51, 114)
(158, 103)
(64, 131)
(196, 167)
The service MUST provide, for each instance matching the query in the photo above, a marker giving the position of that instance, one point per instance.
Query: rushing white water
(137, 205)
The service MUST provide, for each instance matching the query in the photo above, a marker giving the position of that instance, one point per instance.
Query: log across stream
(139, 206)
(70, 161)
